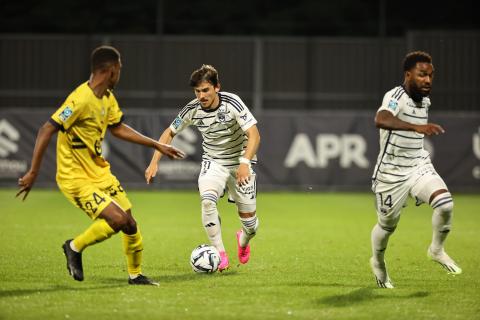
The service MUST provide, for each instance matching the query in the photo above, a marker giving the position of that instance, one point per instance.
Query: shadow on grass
(365, 294)
(193, 276)
(319, 284)
(174, 278)
(56, 288)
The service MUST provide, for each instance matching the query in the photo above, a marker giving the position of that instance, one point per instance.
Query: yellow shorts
(93, 197)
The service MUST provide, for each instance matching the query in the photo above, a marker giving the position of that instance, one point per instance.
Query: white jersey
(223, 129)
(401, 152)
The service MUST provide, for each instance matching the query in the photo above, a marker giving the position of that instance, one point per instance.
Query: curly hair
(412, 58)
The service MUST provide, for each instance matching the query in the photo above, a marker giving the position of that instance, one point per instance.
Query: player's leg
(431, 189)
(92, 201)
(389, 204)
(245, 198)
(211, 183)
(133, 249)
(131, 235)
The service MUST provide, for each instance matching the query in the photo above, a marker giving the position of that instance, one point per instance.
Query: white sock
(442, 206)
(379, 239)
(211, 221)
(250, 226)
(72, 246)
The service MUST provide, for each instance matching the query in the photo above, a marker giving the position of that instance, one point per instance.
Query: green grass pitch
(309, 261)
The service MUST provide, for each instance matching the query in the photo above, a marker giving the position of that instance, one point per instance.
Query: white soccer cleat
(444, 260)
(381, 275)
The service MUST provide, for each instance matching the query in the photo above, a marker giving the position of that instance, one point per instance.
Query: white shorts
(391, 198)
(218, 178)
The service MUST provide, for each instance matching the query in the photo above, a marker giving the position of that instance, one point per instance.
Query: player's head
(106, 60)
(206, 73)
(418, 71)
(205, 84)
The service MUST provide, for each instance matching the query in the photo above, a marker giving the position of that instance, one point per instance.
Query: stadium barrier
(299, 150)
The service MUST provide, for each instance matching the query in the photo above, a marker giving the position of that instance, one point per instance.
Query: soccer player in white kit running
(404, 167)
(230, 143)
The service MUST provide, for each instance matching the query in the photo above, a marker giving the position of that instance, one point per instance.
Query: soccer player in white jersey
(404, 167)
(230, 143)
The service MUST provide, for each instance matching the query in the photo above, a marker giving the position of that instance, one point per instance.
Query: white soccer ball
(205, 259)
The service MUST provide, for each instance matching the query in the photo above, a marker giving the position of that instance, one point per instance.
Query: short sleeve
(390, 103)
(184, 118)
(68, 113)
(242, 114)
(115, 115)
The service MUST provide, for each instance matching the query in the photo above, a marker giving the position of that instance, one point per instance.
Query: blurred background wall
(271, 73)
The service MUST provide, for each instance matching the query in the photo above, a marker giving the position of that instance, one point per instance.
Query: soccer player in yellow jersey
(83, 175)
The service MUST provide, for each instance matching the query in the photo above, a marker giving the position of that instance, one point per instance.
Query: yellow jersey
(83, 120)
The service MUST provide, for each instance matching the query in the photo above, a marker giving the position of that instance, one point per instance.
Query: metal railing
(269, 73)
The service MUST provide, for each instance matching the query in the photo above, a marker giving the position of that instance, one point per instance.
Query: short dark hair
(102, 57)
(205, 73)
(412, 58)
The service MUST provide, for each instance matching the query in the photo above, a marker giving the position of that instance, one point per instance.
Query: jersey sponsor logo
(177, 122)
(349, 149)
(393, 104)
(65, 114)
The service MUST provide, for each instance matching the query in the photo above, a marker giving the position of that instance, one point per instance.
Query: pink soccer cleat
(224, 265)
(243, 253)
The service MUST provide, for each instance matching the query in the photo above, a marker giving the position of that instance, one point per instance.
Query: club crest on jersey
(393, 104)
(65, 114)
(222, 116)
(177, 122)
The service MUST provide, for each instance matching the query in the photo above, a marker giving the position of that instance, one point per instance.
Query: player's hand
(243, 174)
(170, 151)
(26, 183)
(151, 172)
(430, 129)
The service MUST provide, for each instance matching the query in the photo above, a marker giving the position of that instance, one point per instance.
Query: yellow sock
(97, 232)
(133, 248)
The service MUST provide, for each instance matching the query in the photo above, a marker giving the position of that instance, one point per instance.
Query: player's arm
(243, 172)
(151, 171)
(124, 132)
(386, 120)
(44, 136)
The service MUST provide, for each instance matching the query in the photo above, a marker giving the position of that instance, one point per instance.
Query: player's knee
(130, 226)
(443, 203)
(242, 207)
(124, 223)
(209, 203)
(390, 228)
